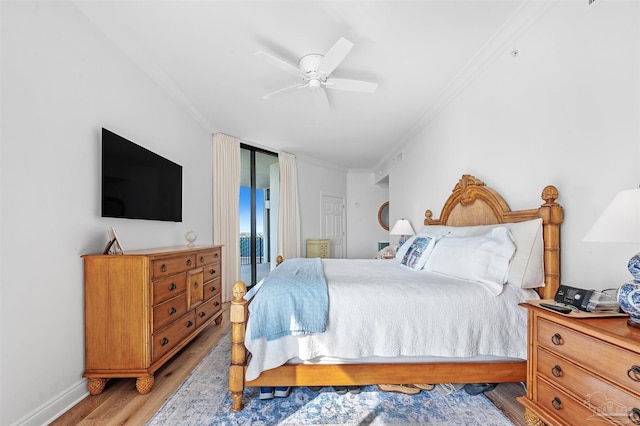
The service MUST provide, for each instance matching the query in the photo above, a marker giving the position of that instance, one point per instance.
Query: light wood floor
(120, 403)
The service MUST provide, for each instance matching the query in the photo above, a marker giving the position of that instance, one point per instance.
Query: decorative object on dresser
(142, 307)
(318, 247)
(581, 370)
(620, 222)
(402, 228)
(191, 237)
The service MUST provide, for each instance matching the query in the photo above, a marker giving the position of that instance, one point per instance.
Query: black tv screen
(137, 183)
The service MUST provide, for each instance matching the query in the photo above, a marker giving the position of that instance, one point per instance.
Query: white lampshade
(620, 222)
(402, 227)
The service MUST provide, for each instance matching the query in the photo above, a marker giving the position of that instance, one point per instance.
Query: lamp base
(633, 324)
(629, 301)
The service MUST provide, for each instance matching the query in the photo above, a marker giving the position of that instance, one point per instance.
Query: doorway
(258, 205)
(332, 216)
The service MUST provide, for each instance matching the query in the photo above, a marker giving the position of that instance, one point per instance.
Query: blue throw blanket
(292, 300)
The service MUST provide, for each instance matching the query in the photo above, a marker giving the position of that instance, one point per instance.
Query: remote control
(556, 308)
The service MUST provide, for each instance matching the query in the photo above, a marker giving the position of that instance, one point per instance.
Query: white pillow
(418, 252)
(482, 258)
(526, 269)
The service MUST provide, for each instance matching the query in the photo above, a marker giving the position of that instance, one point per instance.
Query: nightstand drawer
(585, 386)
(562, 405)
(611, 362)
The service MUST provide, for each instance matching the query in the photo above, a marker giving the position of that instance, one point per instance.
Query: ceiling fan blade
(283, 65)
(320, 97)
(334, 57)
(351, 85)
(282, 91)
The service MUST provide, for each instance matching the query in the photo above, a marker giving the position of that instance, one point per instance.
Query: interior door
(332, 216)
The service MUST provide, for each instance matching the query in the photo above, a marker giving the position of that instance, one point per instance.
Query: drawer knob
(188, 262)
(634, 415)
(195, 285)
(216, 304)
(213, 271)
(164, 268)
(556, 403)
(634, 373)
(556, 371)
(556, 339)
(189, 323)
(202, 259)
(164, 341)
(213, 289)
(172, 310)
(202, 314)
(173, 286)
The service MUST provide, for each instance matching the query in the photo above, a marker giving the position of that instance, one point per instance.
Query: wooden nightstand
(581, 371)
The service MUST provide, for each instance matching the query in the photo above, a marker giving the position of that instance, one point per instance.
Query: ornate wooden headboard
(473, 203)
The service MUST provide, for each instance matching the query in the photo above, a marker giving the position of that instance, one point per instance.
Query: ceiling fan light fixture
(315, 84)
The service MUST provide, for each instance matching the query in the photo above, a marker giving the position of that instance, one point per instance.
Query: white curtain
(226, 196)
(289, 209)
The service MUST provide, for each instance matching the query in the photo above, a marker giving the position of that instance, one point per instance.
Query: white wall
(364, 199)
(564, 111)
(314, 180)
(61, 82)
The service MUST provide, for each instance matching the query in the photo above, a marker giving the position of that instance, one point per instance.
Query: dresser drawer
(208, 309)
(563, 406)
(167, 312)
(207, 257)
(212, 288)
(609, 361)
(585, 386)
(166, 288)
(212, 271)
(173, 265)
(167, 338)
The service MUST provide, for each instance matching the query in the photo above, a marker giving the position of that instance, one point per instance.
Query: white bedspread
(381, 308)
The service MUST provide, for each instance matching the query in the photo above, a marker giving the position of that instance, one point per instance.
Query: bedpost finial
(550, 194)
(428, 214)
(279, 260)
(239, 290)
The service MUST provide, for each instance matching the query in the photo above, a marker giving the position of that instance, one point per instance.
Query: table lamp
(620, 223)
(402, 228)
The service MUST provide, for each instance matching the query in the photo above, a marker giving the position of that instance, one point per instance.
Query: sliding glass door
(259, 184)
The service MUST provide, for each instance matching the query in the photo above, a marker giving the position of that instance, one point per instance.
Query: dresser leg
(144, 384)
(531, 419)
(96, 386)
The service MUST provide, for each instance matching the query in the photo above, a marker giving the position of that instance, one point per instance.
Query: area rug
(204, 399)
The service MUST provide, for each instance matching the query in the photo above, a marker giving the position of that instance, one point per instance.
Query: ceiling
(202, 54)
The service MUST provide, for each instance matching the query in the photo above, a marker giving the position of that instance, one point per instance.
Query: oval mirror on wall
(383, 215)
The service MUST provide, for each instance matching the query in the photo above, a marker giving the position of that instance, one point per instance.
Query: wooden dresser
(318, 247)
(144, 306)
(581, 371)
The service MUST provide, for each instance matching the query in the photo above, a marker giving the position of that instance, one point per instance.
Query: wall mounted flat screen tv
(137, 183)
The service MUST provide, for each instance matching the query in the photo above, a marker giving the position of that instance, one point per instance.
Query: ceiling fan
(315, 71)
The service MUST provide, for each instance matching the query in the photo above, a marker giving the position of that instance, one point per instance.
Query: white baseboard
(55, 407)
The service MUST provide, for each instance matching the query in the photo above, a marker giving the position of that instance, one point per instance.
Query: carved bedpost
(238, 317)
(552, 216)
